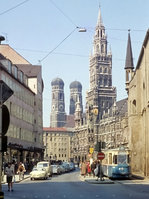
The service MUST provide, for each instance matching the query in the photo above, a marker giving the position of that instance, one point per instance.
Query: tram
(116, 163)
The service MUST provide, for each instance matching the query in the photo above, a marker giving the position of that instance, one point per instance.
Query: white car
(56, 169)
(38, 173)
(46, 166)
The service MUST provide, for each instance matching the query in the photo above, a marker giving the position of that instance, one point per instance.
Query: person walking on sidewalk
(20, 171)
(83, 169)
(9, 173)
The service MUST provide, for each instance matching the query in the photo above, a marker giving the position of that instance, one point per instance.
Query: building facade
(105, 120)
(25, 106)
(58, 143)
(137, 86)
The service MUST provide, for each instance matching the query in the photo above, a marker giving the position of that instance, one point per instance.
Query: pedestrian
(21, 171)
(88, 168)
(99, 173)
(93, 166)
(9, 173)
(83, 169)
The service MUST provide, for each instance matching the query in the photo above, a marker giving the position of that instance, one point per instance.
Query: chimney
(2, 39)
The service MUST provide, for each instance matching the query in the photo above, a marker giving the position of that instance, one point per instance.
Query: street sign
(5, 119)
(100, 156)
(5, 91)
(91, 150)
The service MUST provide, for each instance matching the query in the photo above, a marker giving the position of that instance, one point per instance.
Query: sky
(44, 32)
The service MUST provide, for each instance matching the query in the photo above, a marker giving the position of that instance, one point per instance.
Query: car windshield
(43, 165)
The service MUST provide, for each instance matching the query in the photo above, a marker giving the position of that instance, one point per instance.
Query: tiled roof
(29, 69)
(122, 107)
(12, 55)
(70, 121)
(55, 129)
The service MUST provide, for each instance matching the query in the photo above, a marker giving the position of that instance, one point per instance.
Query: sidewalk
(93, 180)
(16, 178)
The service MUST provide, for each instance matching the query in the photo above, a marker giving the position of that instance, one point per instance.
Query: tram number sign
(100, 156)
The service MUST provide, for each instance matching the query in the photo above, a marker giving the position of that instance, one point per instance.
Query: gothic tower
(129, 62)
(101, 94)
(75, 94)
(58, 115)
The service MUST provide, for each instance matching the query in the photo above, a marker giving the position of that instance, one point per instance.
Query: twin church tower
(58, 115)
(101, 95)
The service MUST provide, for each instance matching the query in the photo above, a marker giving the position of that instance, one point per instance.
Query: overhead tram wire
(64, 13)
(58, 44)
(13, 7)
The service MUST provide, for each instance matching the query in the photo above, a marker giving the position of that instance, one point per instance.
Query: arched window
(97, 48)
(134, 106)
(102, 48)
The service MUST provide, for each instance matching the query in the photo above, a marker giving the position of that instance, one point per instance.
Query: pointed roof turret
(99, 21)
(129, 56)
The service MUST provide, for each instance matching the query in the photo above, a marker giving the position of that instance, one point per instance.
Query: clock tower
(58, 115)
(101, 94)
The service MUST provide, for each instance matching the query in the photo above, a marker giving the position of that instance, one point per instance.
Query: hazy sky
(35, 28)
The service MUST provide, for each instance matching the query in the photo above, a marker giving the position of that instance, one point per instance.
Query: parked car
(62, 168)
(72, 166)
(45, 165)
(66, 166)
(38, 173)
(56, 169)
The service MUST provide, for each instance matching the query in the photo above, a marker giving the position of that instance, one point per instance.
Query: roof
(70, 123)
(129, 56)
(75, 84)
(57, 81)
(55, 129)
(29, 69)
(12, 55)
(122, 106)
(142, 49)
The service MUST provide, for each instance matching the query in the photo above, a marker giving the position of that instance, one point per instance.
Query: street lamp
(82, 29)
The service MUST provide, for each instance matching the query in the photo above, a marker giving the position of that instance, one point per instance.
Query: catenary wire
(63, 13)
(58, 45)
(13, 7)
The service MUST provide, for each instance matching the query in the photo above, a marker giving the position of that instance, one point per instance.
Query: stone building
(58, 143)
(58, 115)
(75, 95)
(25, 106)
(137, 86)
(104, 119)
(101, 94)
(113, 128)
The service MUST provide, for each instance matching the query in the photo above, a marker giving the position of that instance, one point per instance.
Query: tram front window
(122, 159)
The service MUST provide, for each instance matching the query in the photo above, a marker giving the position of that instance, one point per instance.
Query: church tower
(101, 94)
(75, 94)
(58, 115)
(129, 62)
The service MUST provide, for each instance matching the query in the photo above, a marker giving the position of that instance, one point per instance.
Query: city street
(71, 186)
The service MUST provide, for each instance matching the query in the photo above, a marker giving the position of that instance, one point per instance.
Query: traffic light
(99, 146)
(4, 144)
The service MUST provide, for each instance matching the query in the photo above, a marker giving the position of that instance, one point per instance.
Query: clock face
(61, 107)
(53, 107)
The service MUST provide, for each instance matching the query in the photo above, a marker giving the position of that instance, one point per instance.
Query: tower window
(102, 48)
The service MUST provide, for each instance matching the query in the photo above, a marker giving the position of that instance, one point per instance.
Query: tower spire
(129, 56)
(99, 21)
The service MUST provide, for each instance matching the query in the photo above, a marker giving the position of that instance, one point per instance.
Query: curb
(99, 181)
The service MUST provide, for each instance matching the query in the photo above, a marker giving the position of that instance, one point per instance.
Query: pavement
(133, 180)
(95, 180)
(16, 179)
